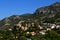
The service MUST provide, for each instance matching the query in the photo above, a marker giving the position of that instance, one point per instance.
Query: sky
(19, 7)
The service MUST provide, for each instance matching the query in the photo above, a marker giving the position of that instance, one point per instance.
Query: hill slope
(48, 14)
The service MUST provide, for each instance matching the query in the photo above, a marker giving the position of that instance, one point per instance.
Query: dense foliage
(21, 35)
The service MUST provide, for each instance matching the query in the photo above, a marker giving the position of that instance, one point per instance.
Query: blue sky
(18, 7)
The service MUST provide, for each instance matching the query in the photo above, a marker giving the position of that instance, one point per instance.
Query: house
(19, 25)
(53, 26)
(48, 29)
(28, 39)
(22, 28)
(25, 28)
(42, 32)
(58, 26)
(40, 27)
(29, 25)
(33, 24)
(10, 29)
(33, 33)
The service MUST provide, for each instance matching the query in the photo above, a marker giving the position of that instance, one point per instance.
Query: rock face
(54, 8)
(49, 14)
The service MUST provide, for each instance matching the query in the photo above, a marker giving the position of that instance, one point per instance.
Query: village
(38, 28)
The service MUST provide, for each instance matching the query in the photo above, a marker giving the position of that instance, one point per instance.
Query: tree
(52, 35)
(22, 38)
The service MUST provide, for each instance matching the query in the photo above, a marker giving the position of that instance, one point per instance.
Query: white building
(53, 26)
(58, 26)
(43, 33)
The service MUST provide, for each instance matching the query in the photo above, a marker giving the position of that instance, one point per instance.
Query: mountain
(52, 8)
(47, 14)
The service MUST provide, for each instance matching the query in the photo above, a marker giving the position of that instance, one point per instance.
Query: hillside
(48, 14)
